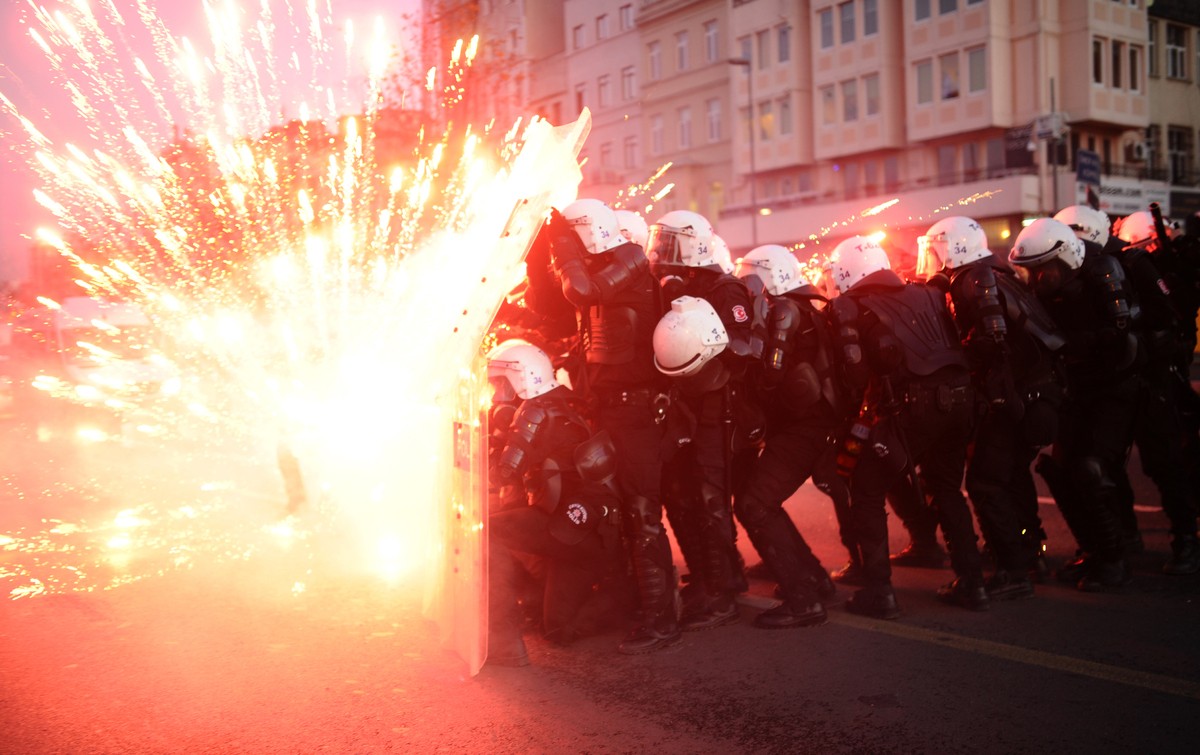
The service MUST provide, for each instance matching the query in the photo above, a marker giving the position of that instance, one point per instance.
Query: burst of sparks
(313, 286)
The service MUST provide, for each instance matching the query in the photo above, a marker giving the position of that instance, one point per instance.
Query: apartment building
(786, 120)
(603, 73)
(1168, 153)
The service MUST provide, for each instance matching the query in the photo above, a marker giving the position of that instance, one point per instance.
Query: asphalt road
(186, 632)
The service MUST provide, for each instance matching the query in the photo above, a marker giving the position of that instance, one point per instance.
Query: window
(629, 148)
(604, 91)
(784, 42)
(846, 14)
(685, 127)
(977, 2)
(712, 48)
(1152, 50)
(825, 22)
(656, 135)
(891, 173)
(1097, 61)
(948, 64)
(971, 170)
(580, 97)
(654, 50)
(628, 83)
(577, 37)
(1179, 153)
(602, 27)
(747, 48)
(924, 82)
(850, 179)
(947, 6)
(870, 17)
(921, 10)
(871, 93)
(681, 51)
(766, 121)
(850, 100)
(763, 39)
(626, 13)
(946, 157)
(1118, 63)
(871, 176)
(1135, 68)
(1176, 52)
(785, 116)
(976, 70)
(828, 106)
(712, 115)
(995, 157)
(606, 155)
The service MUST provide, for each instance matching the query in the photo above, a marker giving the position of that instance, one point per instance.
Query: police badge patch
(739, 314)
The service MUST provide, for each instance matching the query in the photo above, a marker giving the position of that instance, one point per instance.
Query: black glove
(565, 244)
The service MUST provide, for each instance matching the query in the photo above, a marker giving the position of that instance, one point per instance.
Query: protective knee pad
(643, 521)
(1091, 475)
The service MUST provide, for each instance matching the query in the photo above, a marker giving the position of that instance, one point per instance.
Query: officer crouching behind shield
(555, 501)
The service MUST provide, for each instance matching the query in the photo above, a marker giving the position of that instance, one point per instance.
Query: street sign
(1087, 167)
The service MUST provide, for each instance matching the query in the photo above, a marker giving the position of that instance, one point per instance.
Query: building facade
(803, 121)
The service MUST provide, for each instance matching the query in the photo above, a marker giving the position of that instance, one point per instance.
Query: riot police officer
(796, 383)
(555, 500)
(699, 476)
(1012, 346)
(608, 281)
(1167, 444)
(901, 356)
(1085, 292)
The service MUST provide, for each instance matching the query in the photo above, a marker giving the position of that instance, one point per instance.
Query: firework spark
(319, 286)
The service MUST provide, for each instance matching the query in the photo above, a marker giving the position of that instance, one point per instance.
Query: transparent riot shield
(544, 174)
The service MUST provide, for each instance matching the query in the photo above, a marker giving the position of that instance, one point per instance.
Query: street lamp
(745, 62)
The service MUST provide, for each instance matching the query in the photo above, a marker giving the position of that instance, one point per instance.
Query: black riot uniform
(1164, 441)
(900, 352)
(719, 433)
(1087, 461)
(795, 384)
(618, 304)
(1013, 348)
(555, 501)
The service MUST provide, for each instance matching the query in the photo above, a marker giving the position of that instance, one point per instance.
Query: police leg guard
(652, 563)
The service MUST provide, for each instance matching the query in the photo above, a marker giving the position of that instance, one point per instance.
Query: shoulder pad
(632, 256)
(844, 309)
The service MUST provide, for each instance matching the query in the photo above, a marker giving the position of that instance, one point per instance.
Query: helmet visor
(662, 246)
(502, 389)
(928, 262)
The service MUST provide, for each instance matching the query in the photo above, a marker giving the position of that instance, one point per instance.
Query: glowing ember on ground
(316, 288)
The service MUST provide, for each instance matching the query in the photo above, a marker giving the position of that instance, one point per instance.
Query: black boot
(1009, 585)
(875, 602)
(792, 613)
(925, 555)
(1105, 575)
(1185, 556)
(966, 592)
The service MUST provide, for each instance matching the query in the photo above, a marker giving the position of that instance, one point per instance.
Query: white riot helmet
(681, 238)
(517, 368)
(1047, 239)
(951, 242)
(722, 255)
(688, 337)
(595, 223)
(1137, 230)
(855, 259)
(775, 266)
(1089, 224)
(633, 227)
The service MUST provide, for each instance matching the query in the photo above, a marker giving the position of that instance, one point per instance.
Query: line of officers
(641, 379)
